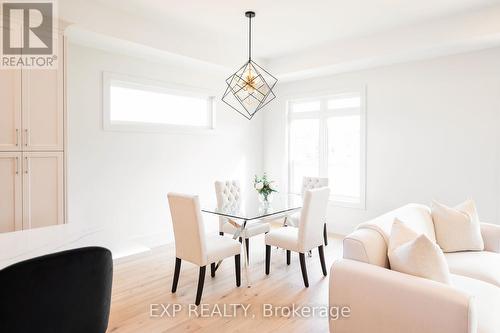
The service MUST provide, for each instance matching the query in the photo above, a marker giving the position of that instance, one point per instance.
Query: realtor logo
(28, 35)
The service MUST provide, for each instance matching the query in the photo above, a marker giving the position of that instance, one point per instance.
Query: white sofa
(382, 300)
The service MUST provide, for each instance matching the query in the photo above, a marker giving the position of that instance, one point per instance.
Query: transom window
(138, 104)
(327, 139)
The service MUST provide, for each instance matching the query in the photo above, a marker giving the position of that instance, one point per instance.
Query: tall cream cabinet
(32, 147)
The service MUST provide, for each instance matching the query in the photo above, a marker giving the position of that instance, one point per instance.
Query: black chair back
(64, 292)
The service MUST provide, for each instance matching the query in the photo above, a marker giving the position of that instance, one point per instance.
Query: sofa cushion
(483, 265)
(491, 237)
(417, 217)
(458, 228)
(487, 302)
(416, 254)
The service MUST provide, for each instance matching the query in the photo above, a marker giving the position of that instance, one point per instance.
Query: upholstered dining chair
(192, 245)
(64, 292)
(229, 193)
(307, 236)
(309, 183)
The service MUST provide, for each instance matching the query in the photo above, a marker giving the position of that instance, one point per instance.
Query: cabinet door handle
(26, 137)
(26, 170)
(17, 137)
(17, 165)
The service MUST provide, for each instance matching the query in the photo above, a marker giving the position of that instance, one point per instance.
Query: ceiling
(294, 39)
(286, 26)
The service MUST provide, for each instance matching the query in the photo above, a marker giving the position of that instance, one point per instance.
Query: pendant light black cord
(250, 38)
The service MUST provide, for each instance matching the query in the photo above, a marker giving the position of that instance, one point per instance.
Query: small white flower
(259, 186)
(272, 186)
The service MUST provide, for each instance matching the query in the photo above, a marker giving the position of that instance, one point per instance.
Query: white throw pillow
(416, 254)
(457, 229)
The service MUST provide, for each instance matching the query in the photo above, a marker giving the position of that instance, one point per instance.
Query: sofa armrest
(491, 237)
(367, 246)
(381, 300)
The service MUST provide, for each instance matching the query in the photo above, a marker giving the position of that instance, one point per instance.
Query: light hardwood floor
(145, 279)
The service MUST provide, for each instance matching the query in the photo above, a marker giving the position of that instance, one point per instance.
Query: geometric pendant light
(251, 87)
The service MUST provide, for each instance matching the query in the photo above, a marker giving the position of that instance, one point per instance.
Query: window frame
(129, 81)
(323, 115)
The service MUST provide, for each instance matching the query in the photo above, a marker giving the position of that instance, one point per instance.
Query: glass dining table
(252, 210)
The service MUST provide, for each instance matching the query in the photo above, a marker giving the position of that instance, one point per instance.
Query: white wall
(432, 132)
(119, 180)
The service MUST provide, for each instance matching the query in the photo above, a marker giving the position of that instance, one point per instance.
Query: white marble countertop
(21, 245)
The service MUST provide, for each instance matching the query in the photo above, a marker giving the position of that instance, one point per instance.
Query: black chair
(64, 292)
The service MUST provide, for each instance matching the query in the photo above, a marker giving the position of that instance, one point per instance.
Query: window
(137, 104)
(326, 138)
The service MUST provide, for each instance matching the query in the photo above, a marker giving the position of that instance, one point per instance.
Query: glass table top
(252, 208)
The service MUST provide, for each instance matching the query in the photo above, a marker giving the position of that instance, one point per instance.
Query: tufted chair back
(310, 183)
(228, 193)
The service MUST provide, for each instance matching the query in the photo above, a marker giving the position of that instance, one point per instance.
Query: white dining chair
(309, 183)
(191, 243)
(229, 193)
(307, 236)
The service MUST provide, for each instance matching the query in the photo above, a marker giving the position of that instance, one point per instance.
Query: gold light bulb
(249, 81)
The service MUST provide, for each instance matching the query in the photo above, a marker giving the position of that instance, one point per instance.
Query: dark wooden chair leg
(237, 267)
(212, 269)
(288, 257)
(325, 234)
(221, 233)
(177, 272)
(302, 258)
(322, 259)
(268, 258)
(201, 282)
(247, 245)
